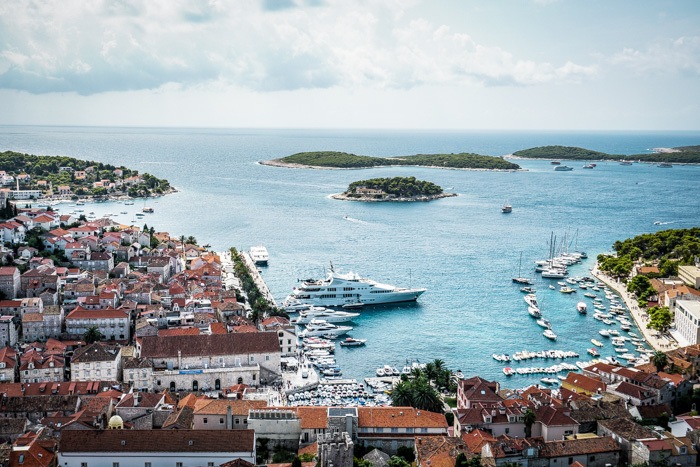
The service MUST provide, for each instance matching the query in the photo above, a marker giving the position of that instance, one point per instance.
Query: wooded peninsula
(344, 160)
(393, 189)
(67, 177)
(679, 155)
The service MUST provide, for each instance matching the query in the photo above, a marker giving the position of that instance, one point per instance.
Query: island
(344, 160)
(678, 155)
(399, 189)
(31, 177)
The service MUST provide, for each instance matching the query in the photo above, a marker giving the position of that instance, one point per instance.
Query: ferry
(259, 255)
(339, 290)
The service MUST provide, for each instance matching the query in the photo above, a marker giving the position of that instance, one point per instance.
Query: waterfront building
(687, 317)
(477, 390)
(582, 384)
(210, 362)
(181, 448)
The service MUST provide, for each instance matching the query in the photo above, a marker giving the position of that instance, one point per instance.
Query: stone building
(335, 450)
(96, 362)
(9, 281)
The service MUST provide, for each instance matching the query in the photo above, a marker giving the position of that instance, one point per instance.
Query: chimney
(228, 417)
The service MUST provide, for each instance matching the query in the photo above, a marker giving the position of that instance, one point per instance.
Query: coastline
(368, 199)
(287, 165)
(640, 316)
(93, 199)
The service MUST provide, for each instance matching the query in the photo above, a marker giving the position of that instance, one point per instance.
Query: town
(124, 345)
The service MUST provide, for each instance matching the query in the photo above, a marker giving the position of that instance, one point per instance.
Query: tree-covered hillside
(349, 161)
(565, 152)
(404, 187)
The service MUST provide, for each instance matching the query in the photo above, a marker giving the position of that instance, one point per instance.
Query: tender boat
(319, 327)
(596, 342)
(147, 209)
(352, 342)
(594, 352)
(353, 290)
(527, 289)
(506, 208)
(330, 316)
(582, 308)
(259, 255)
(549, 334)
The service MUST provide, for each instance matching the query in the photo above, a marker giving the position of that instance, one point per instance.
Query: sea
(462, 249)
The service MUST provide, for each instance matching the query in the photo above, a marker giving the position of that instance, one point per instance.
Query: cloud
(88, 48)
(680, 55)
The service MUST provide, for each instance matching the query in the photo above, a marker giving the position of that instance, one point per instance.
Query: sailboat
(506, 208)
(520, 279)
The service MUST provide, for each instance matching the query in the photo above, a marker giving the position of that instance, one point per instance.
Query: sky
(385, 64)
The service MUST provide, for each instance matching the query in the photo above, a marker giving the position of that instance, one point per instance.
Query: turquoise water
(462, 249)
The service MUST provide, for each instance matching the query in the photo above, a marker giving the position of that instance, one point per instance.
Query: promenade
(257, 278)
(653, 337)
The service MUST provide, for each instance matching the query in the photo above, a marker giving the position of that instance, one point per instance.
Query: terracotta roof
(190, 331)
(82, 313)
(182, 419)
(399, 417)
(582, 446)
(220, 406)
(206, 345)
(439, 451)
(627, 429)
(147, 399)
(123, 441)
(586, 383)
(313, 417)
(188, 401)
(551, 416)
(476, 439)
(8, 270)
(94, 352)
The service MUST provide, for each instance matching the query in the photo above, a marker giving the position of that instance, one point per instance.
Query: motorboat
(508, 371)
(604, 332)
(534, 312)
(555, 162)
(589, 166)
(593, 352)
(328, 315)
(554, 273)
(544, 323)
(550, 380)
(563, 168)
(344, 289)
(549, 334)
(531, 299)
(665, 165)
(319, 327)
(506, 208)
(147, 209)
(567, 290)
(596, 342)
(259, 255)
(527, 289)
(352, 342)
(582, 308)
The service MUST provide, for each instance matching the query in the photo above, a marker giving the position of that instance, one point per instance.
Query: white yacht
(330, 316)
(349, 290)
(319, 327)
(549, 334)
(259, 255)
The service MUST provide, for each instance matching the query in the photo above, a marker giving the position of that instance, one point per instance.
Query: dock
(257, 278)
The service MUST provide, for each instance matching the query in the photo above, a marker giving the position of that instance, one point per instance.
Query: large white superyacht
(350, 291)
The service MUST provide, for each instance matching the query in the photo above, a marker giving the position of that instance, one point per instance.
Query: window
(146, 464)
(206, 420)
(115, 464)
(267, 357)
(83, 464)
(221, 420)
(507, 430)
(571, 460)
(178, 464)
(210, 464)
(423, 430)
(591, 458)
(238, 421)
(379, 430)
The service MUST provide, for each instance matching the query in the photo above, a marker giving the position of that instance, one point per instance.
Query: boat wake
(664, 223)
(357, 221)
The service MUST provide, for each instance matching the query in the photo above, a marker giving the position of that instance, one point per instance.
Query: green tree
(660, 318)
(406, 453)
(529, 419)
(397, 461)
(296, 462)
(93, 334)
(660, 360)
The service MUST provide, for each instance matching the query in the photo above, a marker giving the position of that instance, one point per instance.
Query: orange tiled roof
(399, 417)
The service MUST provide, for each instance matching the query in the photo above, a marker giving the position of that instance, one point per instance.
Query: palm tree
(430, 372)
(182, 242)
(93, 334)
(402, 395)
(660, 360)
(529, 419)
(425, 397)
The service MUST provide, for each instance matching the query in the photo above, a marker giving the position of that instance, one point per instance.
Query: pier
(257, 278)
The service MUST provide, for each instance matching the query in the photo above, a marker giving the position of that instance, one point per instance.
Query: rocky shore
(389, 198)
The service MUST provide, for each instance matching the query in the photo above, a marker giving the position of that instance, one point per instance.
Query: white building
(96, 362)
(113, 324)
(687, 317)
(154, 448)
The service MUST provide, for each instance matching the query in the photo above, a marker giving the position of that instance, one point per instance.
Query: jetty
(257, 278)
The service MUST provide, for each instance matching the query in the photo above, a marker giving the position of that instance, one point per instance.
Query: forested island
(393, 189)
(67, 177)
(344, 160)
(679, 155)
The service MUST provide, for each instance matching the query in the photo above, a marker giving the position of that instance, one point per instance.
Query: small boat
(124, 212)
(589, 166)
(380, 372)
(625, 163)
(544, 323)
(665, 165)
(506, 208)
(596, 342)
(527, 289)
(594, 352)
(567, 290)
(550, 380)
(147, 209)
(352, 342)
(563, 168)
(534, 312)
(552, 287)
(354, 305)
(625, 327)
(549, 334)
(582, 308)
(508, 371)
(555, 162)
(604, 333)
(590, 295)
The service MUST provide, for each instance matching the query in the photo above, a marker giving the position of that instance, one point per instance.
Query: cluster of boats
(529, 355)
(388, 370)
(343, 394)
(554, 369)
(533, 309)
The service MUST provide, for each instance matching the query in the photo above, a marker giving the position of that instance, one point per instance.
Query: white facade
(687, 317)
